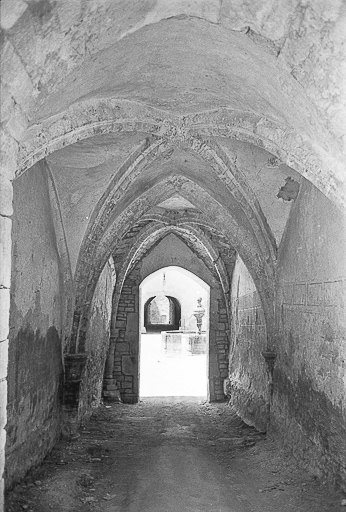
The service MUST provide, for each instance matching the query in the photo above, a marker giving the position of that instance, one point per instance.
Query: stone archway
(173, 362)
(162, 313)
(126, 325)
(243, 241)
(95, 116)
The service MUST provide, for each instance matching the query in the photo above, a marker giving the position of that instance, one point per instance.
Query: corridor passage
(169, 455)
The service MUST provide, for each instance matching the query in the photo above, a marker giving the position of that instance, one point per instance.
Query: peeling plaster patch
(327, 332)
(289, 191)
(261, 40)
(273, 162)
(41, 8)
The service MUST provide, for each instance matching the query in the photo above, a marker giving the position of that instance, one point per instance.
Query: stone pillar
(74, 369)
(110, 389)
(126, 331)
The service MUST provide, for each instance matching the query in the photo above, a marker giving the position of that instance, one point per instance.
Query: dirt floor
(167, 455)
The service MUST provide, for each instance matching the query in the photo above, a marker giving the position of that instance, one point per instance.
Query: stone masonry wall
(97, 342)
(35, 358)
(218, 346)
(247, 386)
(127, 339)
(309, 406)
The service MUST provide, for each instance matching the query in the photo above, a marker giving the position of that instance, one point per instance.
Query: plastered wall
(35, 359)
(247, 385)
(309, 406)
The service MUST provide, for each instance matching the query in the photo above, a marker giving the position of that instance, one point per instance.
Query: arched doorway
(128, 317)
(162, 313)
(173, 349)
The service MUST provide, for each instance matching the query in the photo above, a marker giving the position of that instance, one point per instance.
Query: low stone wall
(183, 343)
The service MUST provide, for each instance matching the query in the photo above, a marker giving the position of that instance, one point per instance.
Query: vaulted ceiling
(183, 114)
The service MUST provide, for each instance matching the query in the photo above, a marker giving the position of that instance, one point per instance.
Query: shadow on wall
(34, 399)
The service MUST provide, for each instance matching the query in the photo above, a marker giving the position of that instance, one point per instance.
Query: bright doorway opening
(174, 339)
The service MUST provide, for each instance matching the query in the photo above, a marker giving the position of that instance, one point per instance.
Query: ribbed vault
(239, 235)
(103, 116)
(193, 238)
(222, 178)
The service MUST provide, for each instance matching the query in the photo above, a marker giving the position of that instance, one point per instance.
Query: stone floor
(169, 455)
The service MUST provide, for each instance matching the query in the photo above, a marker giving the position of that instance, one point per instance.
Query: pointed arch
(96, 116)
(243, 240)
